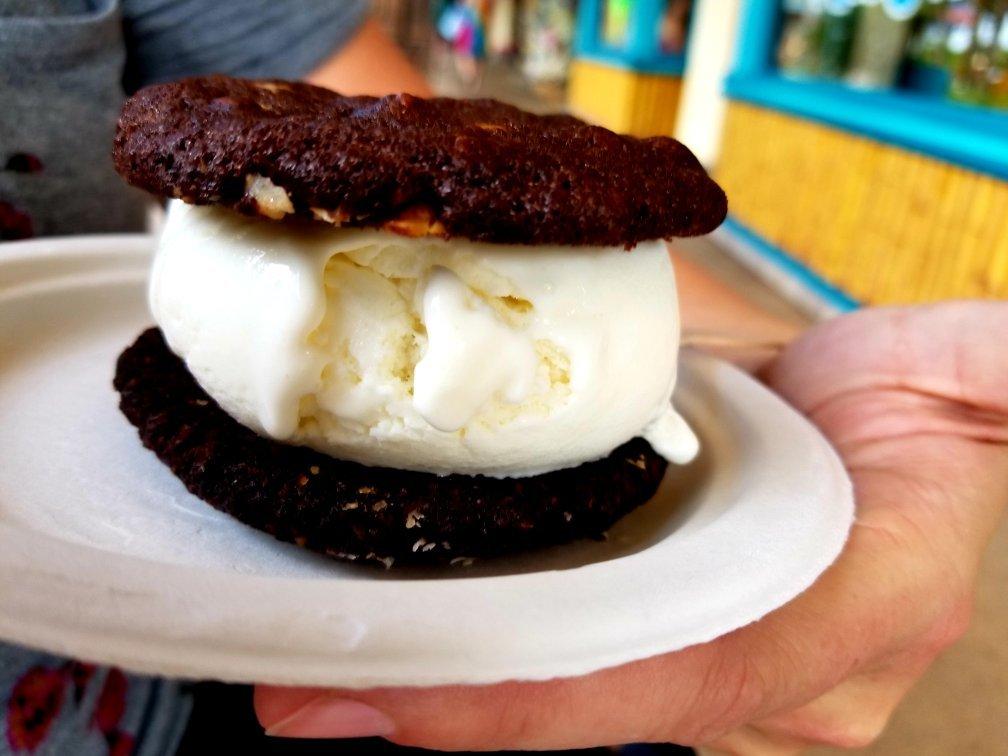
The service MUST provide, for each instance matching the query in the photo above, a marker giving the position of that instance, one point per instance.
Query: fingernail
(328, 717)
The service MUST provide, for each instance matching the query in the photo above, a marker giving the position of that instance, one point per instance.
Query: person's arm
(370, 63)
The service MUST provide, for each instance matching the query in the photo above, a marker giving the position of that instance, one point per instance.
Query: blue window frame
(970, 136)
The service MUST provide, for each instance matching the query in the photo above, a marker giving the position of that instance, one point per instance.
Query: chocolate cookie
(359, 513)
(478, 169)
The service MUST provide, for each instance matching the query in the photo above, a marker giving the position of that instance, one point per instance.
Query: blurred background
(863, 145)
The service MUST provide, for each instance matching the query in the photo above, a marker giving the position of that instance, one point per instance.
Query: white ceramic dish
(105, 556)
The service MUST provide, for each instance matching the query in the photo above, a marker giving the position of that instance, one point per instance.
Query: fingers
(689, 697)
(613, 706)
(751, 741)
(951, 350)
(913, 399)
(852, 715)
(673, 698)
(318, 713)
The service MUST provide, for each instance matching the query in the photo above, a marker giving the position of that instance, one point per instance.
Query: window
(956, 50)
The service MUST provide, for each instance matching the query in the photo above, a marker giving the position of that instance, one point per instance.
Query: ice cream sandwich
(401, 330)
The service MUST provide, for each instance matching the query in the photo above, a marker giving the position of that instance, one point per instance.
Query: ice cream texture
(443, 356)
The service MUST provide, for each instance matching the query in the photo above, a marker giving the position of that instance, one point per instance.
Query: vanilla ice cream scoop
(420, 353)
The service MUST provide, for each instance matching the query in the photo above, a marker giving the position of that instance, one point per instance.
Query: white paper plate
(105, 556)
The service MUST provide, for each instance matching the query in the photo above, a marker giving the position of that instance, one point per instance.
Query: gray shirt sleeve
(168, 39)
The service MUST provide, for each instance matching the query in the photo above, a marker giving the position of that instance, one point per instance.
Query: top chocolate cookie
(477, 169)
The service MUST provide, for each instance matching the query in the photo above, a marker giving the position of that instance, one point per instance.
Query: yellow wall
(885, 224)
(622, 100)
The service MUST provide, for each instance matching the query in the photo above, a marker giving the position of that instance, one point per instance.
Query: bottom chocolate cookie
(359, 513)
